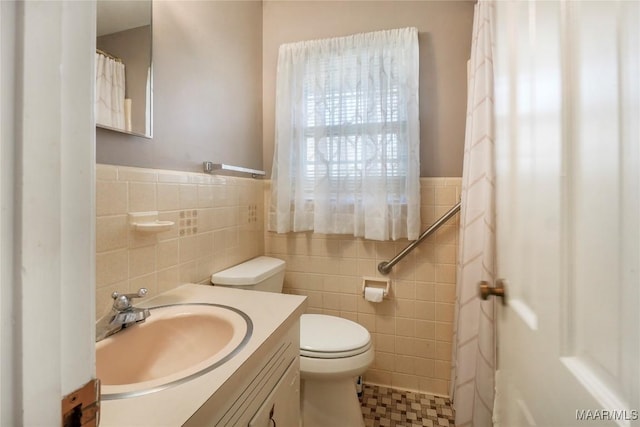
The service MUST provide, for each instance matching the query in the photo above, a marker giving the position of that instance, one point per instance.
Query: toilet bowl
(333, 350)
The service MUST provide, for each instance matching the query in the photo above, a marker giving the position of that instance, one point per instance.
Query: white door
(47, 245)
(567, 165)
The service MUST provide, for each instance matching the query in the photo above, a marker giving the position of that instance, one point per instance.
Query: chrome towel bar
(210, 167)
(385, 266)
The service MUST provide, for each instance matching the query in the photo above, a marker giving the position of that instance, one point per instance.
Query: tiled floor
(383, 406)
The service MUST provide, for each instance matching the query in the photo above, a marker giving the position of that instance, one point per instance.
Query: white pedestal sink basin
(175, 344)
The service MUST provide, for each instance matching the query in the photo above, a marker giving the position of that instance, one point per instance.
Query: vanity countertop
(272, 315)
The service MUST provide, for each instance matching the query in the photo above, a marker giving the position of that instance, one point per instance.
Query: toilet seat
(331, 337)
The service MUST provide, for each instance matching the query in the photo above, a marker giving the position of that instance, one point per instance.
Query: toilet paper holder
(377, 282)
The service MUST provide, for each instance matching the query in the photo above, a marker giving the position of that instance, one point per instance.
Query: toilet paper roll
(373, 294)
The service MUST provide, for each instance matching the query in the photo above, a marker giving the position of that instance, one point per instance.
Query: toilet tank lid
(249, 273)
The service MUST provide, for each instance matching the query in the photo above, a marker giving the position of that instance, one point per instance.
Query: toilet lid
(331, 336)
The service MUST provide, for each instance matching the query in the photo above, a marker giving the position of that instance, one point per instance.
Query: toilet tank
(258, 274)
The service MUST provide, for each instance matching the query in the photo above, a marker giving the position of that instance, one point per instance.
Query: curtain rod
(108, 55)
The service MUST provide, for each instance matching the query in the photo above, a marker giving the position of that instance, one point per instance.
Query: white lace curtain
(347, 137)
(110, 91)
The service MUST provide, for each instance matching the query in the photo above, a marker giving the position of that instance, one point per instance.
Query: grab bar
(385, 266)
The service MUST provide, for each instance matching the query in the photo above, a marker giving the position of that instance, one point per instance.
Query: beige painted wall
(445, 40)
(207, 89)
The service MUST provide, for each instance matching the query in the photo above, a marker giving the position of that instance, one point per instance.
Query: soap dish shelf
(148, 222)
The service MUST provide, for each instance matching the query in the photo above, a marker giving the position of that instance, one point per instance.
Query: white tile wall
(411, 329)
(216, 228)
(220, 222)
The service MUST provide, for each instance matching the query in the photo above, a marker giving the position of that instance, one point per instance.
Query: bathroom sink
(175, 344)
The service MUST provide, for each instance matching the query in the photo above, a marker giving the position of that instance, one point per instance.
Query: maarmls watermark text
(606, 415)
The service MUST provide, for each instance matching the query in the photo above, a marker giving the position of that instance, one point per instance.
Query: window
(343, 129)
(347, 135)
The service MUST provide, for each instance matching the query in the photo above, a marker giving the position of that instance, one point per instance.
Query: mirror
(123, 66)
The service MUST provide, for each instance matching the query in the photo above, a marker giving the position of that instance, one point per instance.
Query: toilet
(333, 350)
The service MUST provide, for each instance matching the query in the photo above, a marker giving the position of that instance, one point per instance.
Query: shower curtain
(474, 342)
(110, 89)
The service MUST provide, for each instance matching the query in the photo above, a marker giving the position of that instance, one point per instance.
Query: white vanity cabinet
(263, 375)
(265, 389)
(282, 407)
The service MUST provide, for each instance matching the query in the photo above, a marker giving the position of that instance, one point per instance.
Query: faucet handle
(123, 301)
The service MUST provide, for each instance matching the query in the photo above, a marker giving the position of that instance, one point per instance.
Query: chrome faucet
(122, 314)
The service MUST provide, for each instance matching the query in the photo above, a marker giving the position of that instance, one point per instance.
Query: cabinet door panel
(282, 406)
